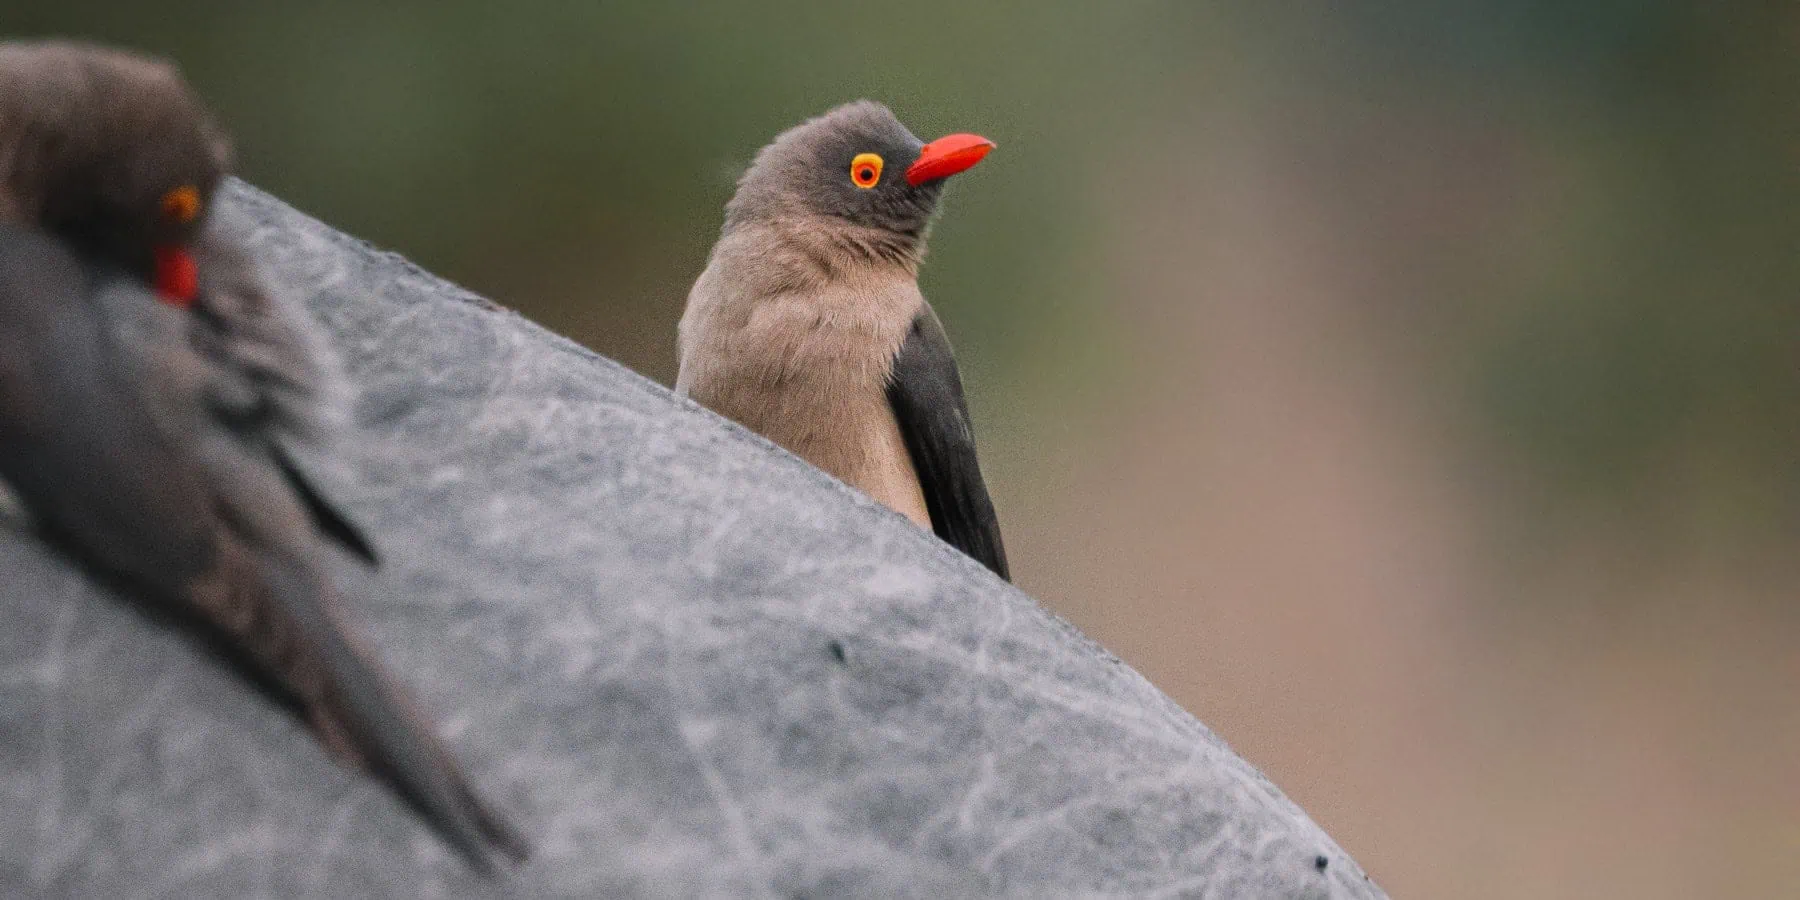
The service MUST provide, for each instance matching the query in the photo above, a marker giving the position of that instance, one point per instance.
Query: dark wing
(268, 378)
(331, 523)
(926, 394)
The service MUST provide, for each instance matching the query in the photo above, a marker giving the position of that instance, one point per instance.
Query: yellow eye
(865, 170)
(181, 205)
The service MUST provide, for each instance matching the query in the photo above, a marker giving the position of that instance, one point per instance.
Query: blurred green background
(1412, 390)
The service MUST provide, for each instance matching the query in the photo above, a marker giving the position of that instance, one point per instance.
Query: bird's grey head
(129, 157)
(854, 164)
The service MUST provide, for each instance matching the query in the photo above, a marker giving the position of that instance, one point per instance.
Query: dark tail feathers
(383, 724)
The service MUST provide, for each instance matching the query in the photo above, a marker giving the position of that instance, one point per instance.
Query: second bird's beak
(947, 156)
(177, 276)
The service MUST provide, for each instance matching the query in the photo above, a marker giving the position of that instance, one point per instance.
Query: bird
(808, 327)
(154, 388)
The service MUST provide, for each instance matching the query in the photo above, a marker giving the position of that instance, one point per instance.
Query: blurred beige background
(1412, 393)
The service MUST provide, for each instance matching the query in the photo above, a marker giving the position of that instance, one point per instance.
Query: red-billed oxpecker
(808, 326)
(153, 393)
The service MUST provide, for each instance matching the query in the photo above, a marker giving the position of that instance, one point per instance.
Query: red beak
(177, 276)
(947, 156)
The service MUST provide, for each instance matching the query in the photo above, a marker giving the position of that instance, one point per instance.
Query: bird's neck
(809, 250)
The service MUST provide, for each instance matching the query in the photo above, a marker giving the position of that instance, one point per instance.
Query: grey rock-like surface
(691, 665)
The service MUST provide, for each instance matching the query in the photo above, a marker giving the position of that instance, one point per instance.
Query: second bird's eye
(181, 205)
(865, 170)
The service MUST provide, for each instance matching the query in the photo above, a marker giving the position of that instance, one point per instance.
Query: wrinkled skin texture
(695, 664)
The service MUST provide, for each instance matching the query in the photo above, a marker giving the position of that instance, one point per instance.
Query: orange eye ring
(865, 170)
(181, 205)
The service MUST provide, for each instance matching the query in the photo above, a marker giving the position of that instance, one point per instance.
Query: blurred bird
(150, 434)
(808, 326)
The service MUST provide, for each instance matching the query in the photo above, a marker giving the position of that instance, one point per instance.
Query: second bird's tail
(364, 709)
